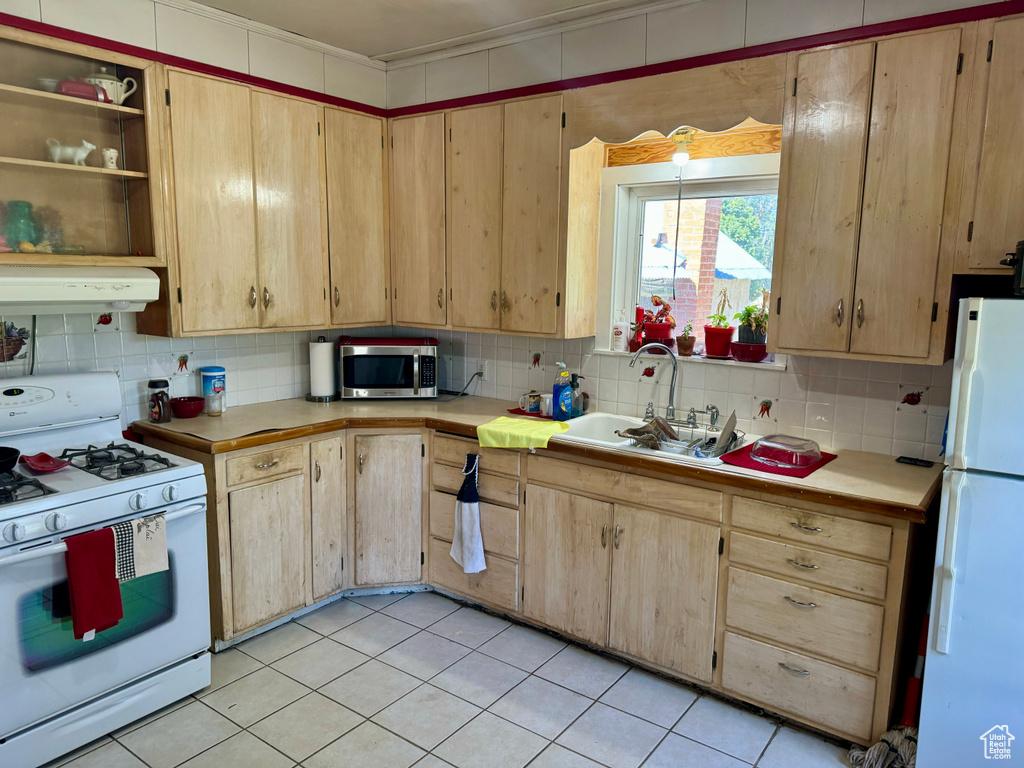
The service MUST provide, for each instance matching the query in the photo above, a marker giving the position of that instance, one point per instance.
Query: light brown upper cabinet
(215, 206)
(474, 216)
(418, 221)
(532, 186)
(998, 218)
(357, 215)
(866, 150)
(291, 215)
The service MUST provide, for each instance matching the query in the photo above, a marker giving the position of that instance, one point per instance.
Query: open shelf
(85, 260)
(14, 92)
(73, 168)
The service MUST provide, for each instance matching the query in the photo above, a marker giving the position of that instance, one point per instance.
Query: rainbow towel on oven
(140, 547)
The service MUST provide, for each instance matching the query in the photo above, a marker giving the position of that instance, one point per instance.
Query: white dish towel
(467, 544)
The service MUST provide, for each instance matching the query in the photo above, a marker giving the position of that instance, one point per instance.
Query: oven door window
(44, 619)
(377, 371)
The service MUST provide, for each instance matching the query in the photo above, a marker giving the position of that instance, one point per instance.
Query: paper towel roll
(321, 368)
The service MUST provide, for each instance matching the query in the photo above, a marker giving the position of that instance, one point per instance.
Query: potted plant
(686, 341)
(718, 335)
(753, 332)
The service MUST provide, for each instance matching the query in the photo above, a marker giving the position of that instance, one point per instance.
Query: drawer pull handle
(268, 465)
(252, 296)
(440, 299)
(805, 566)
(604, 537)
(807, 528)
(618, 529)
(794, 670)
(337, 296)
(317, 463)
(798, 604)
(494, 301)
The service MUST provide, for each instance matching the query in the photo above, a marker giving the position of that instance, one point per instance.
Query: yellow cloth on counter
(505, 432)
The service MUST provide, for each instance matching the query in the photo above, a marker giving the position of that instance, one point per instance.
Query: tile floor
(394, 681)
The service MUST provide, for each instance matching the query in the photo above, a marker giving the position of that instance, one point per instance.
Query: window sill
(774, 362)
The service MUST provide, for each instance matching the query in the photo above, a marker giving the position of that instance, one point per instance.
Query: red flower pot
(749, 353)
(716, 341)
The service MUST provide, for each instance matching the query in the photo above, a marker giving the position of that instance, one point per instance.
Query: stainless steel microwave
(379, 367)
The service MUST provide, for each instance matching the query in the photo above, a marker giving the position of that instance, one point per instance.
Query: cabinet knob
(337, 296)
(604, 537)
(618, 529)
(266, 298)
(839, 314)
(252, 296)
(504, 301)
(316, 474)
(860, 313)
(494, 301)
(440, 298)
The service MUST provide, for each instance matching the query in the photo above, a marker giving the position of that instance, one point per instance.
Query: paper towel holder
(323, 398)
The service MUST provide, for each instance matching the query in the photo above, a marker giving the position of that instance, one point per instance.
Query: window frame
(624, 189)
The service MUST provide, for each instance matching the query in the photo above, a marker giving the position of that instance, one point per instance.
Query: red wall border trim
(899, 26)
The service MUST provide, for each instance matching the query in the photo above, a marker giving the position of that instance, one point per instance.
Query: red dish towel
(742, 458)
(92, 582)
(521, 412)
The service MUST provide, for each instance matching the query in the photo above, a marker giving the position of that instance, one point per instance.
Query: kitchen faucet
(712, 412)
(670, 409)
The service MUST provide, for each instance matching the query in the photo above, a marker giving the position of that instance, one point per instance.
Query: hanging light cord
(675, 246)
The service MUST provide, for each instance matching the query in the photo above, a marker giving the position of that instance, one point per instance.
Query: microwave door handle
(59, 547)
(415, 373)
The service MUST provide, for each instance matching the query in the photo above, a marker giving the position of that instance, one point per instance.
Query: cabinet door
(388, 508)
(529, 230)
(664, 586)
(417, 221)
(821, 193)
(211, 146)
(904, 191)
(356, 214)
(474, 216)
(566, 562)
(290, 211)
(999, 204)
(329, 522)
(269, 550)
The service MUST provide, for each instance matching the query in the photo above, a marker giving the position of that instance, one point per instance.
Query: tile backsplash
(881, 407)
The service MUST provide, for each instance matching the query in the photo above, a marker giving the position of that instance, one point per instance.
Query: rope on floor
(896, 749)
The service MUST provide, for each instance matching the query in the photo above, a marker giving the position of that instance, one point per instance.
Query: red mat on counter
(742, 458)
(521, 412)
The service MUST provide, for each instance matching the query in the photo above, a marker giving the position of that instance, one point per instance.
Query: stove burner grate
(15, 486)
(115, 461)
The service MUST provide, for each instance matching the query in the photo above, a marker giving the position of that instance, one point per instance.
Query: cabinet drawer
(791, 561)
(500, 490)
(257, 466)
(822, 693)
(842, 628)
(499, 526)
(813, 529)
(497, 586)
(453, 450)
(626, 487)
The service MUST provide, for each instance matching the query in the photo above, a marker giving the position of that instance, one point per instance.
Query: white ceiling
(391, 29)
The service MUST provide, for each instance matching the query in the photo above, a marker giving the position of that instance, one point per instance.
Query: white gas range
(68, 692)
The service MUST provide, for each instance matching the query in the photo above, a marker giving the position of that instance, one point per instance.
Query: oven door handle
(56, 549)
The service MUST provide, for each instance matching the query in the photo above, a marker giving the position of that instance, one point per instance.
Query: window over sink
(684, 235)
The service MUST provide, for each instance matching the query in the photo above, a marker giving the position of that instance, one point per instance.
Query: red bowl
(43, 463)
(749, 353)
(187, 407)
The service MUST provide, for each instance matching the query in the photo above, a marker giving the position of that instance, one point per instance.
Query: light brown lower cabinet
(566, 562)
(328, 519)
(270, 550)
(664, 585)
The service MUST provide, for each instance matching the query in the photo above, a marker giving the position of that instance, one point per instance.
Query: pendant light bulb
(682, 138)
(681, 157)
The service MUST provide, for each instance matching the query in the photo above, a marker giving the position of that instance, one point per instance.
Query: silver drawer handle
(805, 528)
(618, 529)
(494, 301)
(805, 566)
(794, 670)
(317, 463)
(337, 296)
(604, 537)
(269, 464)
(798, 604)
(839, 314)
(360, 463)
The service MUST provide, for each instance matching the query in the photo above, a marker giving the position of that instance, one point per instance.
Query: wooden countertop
(870, 482)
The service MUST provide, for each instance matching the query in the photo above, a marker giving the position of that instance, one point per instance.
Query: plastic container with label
(214, 389)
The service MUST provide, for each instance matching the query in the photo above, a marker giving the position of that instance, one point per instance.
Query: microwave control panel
(428, 372)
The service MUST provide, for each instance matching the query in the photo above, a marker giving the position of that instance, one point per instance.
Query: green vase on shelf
(21, 227)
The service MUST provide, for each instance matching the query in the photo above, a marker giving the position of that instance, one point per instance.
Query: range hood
(71, 290)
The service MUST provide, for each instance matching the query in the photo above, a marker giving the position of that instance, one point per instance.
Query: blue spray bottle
(561, 395)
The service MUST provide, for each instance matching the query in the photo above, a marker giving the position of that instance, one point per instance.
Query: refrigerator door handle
(965, 368)
(947, 571)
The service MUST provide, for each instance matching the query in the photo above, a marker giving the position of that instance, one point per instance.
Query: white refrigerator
(972, 709)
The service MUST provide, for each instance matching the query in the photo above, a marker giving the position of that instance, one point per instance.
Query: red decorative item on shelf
(749, 353)
(10, 348)
(716, 342)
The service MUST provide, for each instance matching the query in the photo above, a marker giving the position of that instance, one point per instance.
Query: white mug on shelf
(530, 402)
(545, 404)
(109, 157)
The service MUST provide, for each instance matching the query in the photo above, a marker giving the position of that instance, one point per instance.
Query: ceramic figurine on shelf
(69, 155)
(116, 90)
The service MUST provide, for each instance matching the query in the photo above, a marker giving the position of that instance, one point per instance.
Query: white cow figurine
(74, 155)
